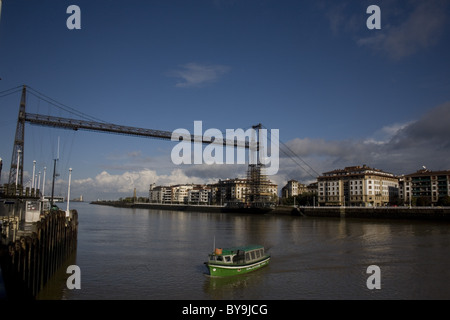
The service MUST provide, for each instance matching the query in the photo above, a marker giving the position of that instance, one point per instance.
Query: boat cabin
(237, 255)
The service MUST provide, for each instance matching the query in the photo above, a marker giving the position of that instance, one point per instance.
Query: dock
(33, 247)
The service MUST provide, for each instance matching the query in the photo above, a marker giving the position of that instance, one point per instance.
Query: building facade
(218, 193)
(160, 194)
(236, 190)
(357, 186)
(427, 187)
(199, 194)
(293, 188)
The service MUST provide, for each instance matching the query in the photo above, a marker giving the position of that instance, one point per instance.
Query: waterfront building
(160, 194)
(231, 190)
(290, 189)
(218, 193)
(293, 188)
(180, 192)
(425, 187)
(357, 186)
(199, 194)
(312, 187)
(237, 190)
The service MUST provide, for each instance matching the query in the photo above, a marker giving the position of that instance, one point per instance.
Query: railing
(11, 190)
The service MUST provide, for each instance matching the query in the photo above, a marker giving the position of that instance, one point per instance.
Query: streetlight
(43, 184)
(68, 193)
(32, 178)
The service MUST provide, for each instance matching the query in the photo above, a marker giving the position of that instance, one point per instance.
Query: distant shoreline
(414, 213)
(287, 210)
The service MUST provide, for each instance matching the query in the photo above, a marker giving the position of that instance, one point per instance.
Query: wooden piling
(31, 260)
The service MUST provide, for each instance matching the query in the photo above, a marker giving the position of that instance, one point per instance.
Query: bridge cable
(62, 106)
(293, 155)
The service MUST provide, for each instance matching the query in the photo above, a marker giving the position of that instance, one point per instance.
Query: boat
(236, 260)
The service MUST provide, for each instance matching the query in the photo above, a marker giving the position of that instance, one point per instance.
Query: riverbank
(420, 213)
(160, 206)
(186, 207)
(416, 213)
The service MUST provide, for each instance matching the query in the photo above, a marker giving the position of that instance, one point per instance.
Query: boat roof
(232, 250)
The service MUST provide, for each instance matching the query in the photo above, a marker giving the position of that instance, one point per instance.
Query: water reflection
(148, 254)
(234, 287)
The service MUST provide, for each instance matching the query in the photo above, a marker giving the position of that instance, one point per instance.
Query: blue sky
(339, 93)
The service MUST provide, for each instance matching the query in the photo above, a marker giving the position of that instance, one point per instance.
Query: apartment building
(357, 186)
(200, 194)
(218, 193)
(180, 192)
(293, 188)
(425, 186)
(160, 194)
(237, 189)
(169, 194)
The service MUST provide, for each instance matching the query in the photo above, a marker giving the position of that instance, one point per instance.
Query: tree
(423, 202)
(444, 201)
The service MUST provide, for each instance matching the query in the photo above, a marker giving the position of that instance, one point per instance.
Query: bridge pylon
(16, 171)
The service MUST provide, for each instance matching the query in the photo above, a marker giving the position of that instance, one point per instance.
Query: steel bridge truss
(16, 171)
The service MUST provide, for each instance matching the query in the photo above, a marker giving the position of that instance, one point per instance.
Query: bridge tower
(16, 171)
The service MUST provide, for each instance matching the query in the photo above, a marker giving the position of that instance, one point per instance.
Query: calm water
(151, 254)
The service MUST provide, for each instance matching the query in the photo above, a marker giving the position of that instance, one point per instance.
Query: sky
(339, 93)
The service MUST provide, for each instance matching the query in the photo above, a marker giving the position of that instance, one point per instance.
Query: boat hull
(226, 270)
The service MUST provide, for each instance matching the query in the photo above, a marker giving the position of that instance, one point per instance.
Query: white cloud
(107, 185)
(385, 134)
(197, 75)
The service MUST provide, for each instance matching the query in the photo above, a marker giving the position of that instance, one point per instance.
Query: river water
(153, 254)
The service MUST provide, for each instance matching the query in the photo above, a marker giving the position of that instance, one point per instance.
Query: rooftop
(426, 172)
(232, 250)
(355, 170)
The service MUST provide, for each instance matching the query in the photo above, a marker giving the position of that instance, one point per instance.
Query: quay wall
(427, 213)
(159, 206)
(422, 213)
(286, 210)
(30, 260)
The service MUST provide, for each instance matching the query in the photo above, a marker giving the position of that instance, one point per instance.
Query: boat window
(219, 258)
(258, 253)
(253, 255)
(212, 258)
(227, 259)
(247, 256)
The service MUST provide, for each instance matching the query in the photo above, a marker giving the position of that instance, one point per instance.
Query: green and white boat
(236, 260)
